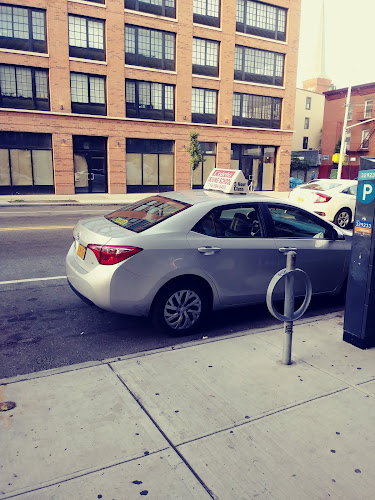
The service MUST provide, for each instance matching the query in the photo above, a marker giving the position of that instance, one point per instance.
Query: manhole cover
(7, 405)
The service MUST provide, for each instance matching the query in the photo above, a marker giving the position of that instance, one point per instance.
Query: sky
(349, 41)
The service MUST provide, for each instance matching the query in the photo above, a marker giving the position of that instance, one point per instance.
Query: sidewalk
(220, 418)
(91, 198)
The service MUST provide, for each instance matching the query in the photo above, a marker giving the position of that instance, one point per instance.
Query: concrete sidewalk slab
(69, 424)
(207, 388)
(159, 476)
(321, 449)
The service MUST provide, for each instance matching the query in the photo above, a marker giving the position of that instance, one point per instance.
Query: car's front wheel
(180, 308)
(343, 218)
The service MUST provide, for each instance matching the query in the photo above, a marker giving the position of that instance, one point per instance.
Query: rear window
(321, 185)
(144, 214)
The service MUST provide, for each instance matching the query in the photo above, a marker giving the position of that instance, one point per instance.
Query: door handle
(208, 250)
(287, 249)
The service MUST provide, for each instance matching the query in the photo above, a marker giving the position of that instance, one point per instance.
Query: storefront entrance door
(251, 167)
(90, 169)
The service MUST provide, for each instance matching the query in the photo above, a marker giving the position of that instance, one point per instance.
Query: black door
(252, 168)
(90, 165)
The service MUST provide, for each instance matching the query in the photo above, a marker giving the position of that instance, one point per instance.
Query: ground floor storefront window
(204, 169)
(26, 165)
(257, 164)
(149, 165)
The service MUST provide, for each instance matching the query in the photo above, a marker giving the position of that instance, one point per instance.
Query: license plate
(300, 200)
(81, 251)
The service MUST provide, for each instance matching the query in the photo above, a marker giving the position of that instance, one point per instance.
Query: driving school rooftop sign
(227, 181)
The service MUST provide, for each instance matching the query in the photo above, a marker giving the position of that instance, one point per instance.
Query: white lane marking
(32, 279)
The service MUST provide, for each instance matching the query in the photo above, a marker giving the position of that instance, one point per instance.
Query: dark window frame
(134, 110)
(207, 19)
(307, 123)
(256, 77)
(89, 108)
(205, 154)
(34, 102)
(138, 59)
(30, 44)
(88, 52)
(242, 27)
(305, 143)
(272, 123)
(207, 70)
(205, 117)
(158, 10)
(308, 102)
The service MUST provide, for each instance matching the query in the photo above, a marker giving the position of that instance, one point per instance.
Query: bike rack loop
(289, 314)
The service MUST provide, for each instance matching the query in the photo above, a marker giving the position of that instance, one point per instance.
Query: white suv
(333, 199)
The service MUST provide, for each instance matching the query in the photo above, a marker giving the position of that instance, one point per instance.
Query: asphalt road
(45, 325)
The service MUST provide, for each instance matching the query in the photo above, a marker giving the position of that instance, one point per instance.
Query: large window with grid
(150, 48)
(205, 57)
(261, 19)
(165, 8)
(260, 66)
(256, 111)
(24, 87)
(206, 12)
(149, 100)
(23, 28)
(203, 105)
(88, 94)
(86, 38)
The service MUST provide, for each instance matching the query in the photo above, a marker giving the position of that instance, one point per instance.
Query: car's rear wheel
(180, 307)
(343, 218)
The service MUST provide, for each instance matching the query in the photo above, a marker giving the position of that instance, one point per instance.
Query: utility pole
(343, 137)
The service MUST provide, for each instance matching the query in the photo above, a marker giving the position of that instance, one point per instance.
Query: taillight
(322, 198)
(108, 255)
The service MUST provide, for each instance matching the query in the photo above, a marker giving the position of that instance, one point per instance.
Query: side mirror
(339, 235)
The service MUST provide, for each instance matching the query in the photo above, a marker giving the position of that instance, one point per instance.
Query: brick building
(360, 136)
(100, 95)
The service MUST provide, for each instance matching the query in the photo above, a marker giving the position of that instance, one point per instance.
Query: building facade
(100, 95)
(360, 135)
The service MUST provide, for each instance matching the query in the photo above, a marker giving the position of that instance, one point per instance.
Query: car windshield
(321, 185)
(144, 214)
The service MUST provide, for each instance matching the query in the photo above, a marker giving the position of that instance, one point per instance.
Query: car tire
(343, 218)
(180, 307)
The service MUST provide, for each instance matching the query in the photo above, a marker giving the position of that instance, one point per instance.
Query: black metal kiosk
(359, 323)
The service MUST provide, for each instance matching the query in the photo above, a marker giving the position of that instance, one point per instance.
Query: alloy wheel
(183, 309)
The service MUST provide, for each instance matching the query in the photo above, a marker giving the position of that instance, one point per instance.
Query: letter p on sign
(366, 192)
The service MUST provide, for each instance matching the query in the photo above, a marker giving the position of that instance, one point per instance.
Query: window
(88, 94)
(205, 57)
(149, 100)
(206, 12)
(203, 105)
(204, 169)
(97, 1)
(259, 66)
(365, 140)
(305, 143)
(307, 123)
(150, 48)
(308, 102)
(26, 163)
(348, 137)
(350, 110)
(23, 87)
(260, 19)
(256, 111)
(86, 38)
(351, 190)
(232, 221)
(159, 7)
(23, 28)
(368, 108)
(149, 165)
(290, 222)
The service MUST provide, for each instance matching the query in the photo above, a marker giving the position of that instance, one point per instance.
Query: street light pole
(343, 137)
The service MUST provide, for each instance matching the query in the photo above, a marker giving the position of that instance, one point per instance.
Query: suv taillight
(322, 198)
(108, 255)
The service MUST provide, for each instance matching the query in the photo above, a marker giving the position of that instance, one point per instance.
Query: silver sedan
(176, 256)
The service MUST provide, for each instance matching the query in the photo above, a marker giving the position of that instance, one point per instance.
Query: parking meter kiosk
(359, 323)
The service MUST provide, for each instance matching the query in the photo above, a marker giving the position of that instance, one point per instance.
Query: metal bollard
(289, 314)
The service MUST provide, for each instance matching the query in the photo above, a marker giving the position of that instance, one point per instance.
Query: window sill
(90, 61)
(207, 77)
(146, 14)
(272, 40)
(87, 2)
(207, 27)
(24, 52)
(146, 68)
(253, 84)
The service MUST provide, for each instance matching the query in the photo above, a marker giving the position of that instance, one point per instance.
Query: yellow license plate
(81, 251)
(300, 200)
